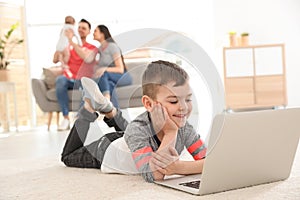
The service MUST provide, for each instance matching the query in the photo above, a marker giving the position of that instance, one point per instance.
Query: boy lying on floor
(155, 138)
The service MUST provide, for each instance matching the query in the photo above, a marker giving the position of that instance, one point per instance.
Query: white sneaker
(92, 92)
(64, 125)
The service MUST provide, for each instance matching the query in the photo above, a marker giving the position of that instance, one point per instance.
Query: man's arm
(56, 57)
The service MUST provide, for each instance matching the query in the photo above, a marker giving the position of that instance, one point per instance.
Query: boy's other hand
(166, 162)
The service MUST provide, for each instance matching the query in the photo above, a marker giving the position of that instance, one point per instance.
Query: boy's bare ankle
(111, 114)
(87, 106)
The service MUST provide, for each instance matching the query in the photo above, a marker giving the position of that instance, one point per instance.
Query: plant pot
(4, 74)
(233, 40)
(244, 40)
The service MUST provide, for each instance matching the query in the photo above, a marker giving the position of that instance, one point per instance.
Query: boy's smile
(177, 101)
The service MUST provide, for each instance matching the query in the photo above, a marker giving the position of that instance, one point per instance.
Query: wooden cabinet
(254, 76)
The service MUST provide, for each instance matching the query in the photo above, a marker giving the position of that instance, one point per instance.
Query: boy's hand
(166, 162)
(161, 120)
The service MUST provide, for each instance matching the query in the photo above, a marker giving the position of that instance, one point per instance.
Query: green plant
(7, 44)
(232, 33)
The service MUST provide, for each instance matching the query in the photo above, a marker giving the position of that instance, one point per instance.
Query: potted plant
(7, 44)
(233, 40)
(244, 39)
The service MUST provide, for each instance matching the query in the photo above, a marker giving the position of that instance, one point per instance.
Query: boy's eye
(173, 102)
(188, 100)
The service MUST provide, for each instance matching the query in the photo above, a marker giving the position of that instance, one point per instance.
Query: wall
(267, 21)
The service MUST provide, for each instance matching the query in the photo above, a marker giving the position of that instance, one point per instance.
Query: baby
(63, 41)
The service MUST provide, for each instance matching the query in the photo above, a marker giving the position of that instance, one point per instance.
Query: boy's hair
(69, 20)
(86, 21)
(160, 73)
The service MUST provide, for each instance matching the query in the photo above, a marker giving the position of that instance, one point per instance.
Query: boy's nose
(183, 105)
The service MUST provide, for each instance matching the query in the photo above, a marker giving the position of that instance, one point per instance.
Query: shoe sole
(92, 88)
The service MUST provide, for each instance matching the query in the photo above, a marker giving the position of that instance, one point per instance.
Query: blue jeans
(63, 84)
(108, 81)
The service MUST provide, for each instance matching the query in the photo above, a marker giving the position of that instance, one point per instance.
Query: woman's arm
(119, 66)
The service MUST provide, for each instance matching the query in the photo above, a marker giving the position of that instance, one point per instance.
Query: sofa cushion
(130, 91)
(136, 70)
(50, 75)
(75, 95)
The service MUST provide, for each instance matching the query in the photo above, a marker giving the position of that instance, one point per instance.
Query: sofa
(128, 96)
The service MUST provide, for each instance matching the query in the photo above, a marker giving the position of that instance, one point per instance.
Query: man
(76, 68)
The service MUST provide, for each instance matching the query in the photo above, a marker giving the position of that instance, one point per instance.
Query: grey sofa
(128, 96)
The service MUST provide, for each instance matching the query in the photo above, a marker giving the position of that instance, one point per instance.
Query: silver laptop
(245, 149)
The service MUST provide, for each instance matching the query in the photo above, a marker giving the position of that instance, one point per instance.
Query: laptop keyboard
(192, 184)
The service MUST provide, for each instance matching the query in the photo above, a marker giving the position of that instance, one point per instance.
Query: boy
(156, 137)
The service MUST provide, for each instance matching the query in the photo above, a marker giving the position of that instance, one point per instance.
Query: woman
(110, 69)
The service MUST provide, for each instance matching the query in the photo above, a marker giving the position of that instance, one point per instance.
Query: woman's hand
(99, 72)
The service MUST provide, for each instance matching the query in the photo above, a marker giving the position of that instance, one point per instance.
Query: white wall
(267, 21)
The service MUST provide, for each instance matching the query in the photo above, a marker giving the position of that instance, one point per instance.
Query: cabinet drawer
(270, 90)
(239, 91)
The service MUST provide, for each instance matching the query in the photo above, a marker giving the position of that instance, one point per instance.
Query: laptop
(245, 149)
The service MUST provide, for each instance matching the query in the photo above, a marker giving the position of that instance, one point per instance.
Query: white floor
(31, 168)
(38, 142)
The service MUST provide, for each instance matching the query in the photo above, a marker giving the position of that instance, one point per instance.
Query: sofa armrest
(39, 90)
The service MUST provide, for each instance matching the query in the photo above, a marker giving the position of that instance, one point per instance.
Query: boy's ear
(147, 102)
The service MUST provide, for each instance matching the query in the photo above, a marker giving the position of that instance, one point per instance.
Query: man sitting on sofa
(76, 69)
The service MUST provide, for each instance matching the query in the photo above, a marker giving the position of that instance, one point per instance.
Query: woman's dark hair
(103, 29)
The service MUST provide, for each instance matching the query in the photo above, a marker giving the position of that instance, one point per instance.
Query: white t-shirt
(118, 159)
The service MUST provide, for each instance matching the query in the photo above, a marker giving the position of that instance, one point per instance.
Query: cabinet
(254, 76)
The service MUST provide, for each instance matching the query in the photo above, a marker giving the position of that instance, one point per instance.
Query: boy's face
(177, 101)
